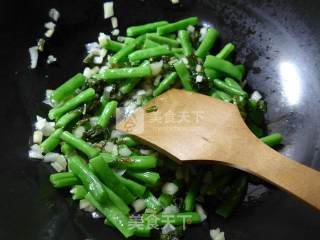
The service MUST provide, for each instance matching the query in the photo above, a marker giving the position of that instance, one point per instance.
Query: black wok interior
(278, 40)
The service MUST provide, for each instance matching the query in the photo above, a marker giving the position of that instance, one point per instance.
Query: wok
(276, 39)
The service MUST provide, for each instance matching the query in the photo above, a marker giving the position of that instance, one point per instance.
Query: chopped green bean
(230, 90)
(149, 53)
(135, 162)
(184, 75)
(256, 130)
(241, 68)
(110, 179)
(165, 200)
(212, 74)
(153, 203)
(273, 139)
(108, 112)
(134, 187)
(129, 141)
(218, 184)
(117, 201)
(129, 84)
(165, 84)
(207, 43)
(149, 178)
(222, 96)
(122, 73)
(68, 118)
(68, 88)
(87, 177)
(126, 50)
(190, 198)
(146, 28)
(163, 40)
(223, 66)
(113, 215)
(83, 97)
(128, 40)
(64, 179)
(150, 44)
(66, 149)
(79, 144)
(78, 192)
(185, 42)
(226, 51)
(52, 141)
(113, 45)
(180, 25)
(232, 83)
(237, 192)
(178, 52)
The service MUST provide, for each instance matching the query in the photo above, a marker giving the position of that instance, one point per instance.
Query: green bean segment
(113, 45)
(108, 112)
(87, 177)
(123, 73)
(184, 75)
(180, 25)
(83, 97)
(165, 84)
(184, 39)
(226, 51)
(52, 141)
(146, 28)
(62, 180)
(207, 43)
(163, 40)
(223, 66)
(68, 88)
(149, 53)
(135, 162)
(149, 178)
(79, 144)
(110, 179)
(68, 118)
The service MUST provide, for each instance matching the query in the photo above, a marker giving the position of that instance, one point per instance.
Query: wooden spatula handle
(289, 175)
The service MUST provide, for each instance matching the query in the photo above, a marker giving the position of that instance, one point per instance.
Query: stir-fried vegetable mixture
(132, 186)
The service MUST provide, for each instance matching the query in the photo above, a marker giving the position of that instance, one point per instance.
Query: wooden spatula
(188, 127)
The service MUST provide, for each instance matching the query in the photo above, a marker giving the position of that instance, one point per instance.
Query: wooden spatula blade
(191, 127)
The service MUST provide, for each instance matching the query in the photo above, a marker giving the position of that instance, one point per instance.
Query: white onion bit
(170, 188)
(139, 205)
(115, 32)
(79, 131)
(108, 9)
(124, 151)
(49, 33)
(168, 228)
(175, 1)
(35, 152)
(216, 234)
(156, 67)
(33, 51)
(37, 137)
(116, 134)
(50, 25)
(51, 59)
(256, 96)
(201, 212)
(54, 14)
(171, 209)
(85, 205)
(114, 22)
